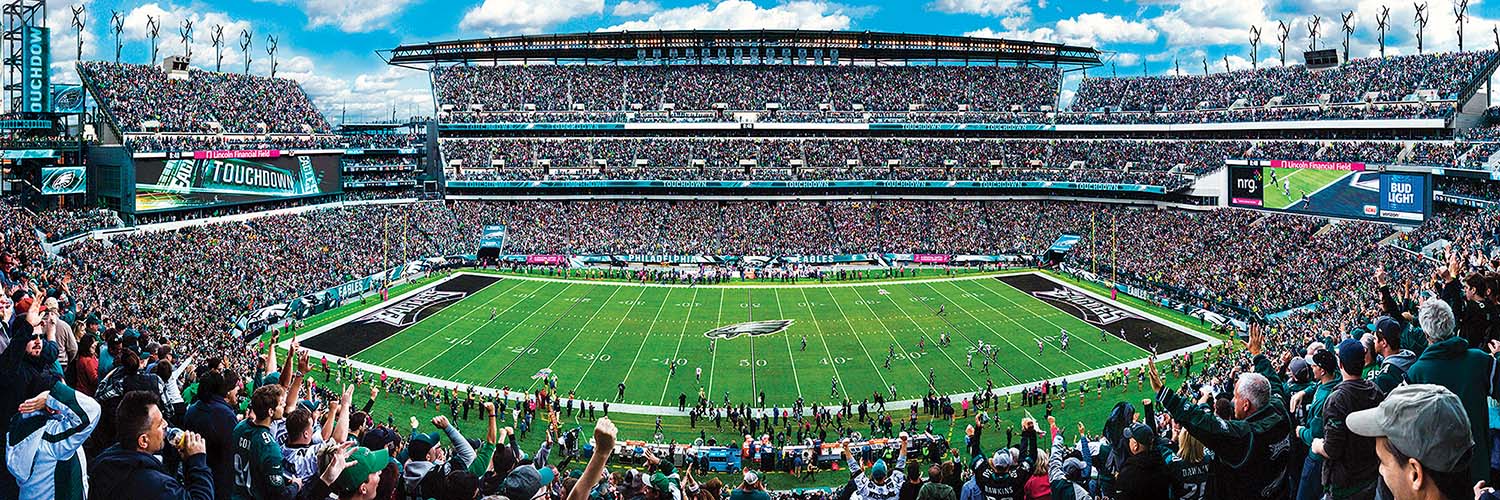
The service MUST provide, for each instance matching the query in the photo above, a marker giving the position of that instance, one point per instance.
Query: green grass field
(593, 335)
(635, 426)
(1302, 180)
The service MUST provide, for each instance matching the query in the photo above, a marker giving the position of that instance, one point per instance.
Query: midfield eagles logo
(405, 313)
(1093, 311)
(753, 329)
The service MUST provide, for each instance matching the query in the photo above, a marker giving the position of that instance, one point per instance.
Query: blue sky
(329, 45)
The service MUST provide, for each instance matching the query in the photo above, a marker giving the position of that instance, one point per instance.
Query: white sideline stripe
(1209, 342)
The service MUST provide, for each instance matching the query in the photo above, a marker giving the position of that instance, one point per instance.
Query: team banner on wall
(36, 70)
(64, 180)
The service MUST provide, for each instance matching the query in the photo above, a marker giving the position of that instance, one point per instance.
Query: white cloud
(1089, 29)
(1212, 22)
(745, 14)
(349, 16)
(1127, 59)
(630, 8)
(526, 16)
(992, 8)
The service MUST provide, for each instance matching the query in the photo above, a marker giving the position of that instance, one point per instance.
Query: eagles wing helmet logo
(65, 181)
(752, 328)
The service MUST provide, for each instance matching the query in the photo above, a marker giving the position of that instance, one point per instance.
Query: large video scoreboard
(208, 178)
(1331, 189)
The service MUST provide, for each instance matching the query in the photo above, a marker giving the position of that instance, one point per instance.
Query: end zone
(358, 332)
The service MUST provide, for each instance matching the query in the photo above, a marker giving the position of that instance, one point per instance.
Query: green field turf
(594, 335)
(1303, 180)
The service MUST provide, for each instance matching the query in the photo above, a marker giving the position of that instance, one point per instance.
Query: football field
(1307, 181)
(817, 342)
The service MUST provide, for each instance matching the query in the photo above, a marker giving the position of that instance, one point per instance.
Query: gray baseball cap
(1423, 421)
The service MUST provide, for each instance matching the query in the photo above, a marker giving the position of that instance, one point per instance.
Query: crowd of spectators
(1391, 79)
(1312, 405)
(597, 88)
(135, 95)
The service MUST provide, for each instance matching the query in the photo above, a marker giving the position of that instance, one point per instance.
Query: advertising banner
(547, 260)
(931, 258)
(1319, 165)
(236, 153)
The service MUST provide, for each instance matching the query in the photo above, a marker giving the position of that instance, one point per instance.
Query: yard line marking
(1044, 317)
(678, 351)
(790, 357)
(884, 386)
(750, 316)
(476, 329)
(824, 338)
(881, 322)
(611, 338)
(913, 320)
(647, 335)
(602, 305)
(713, 352)
(997, 334)
(538, 338)
(1034, 333)
(512, 330)
(1083, 338)
(440, 329)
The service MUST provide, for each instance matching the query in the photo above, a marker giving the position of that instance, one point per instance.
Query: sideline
(519, 395)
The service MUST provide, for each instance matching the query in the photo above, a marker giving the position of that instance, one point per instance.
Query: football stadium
(724, 252)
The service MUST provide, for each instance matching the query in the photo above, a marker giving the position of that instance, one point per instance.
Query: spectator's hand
(374, 391)
(414, 423)
(1493, 346)
(347, 397)
(34, 404)
(604, 434)
(1480, 489)
(440, 422)
(1157, 383)
(1257, 341)
(489, 408)
(337, 463)
(192, 444)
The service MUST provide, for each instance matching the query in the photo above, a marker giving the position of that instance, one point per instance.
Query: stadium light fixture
(186, 33)
(1314, 26)
(271, 51)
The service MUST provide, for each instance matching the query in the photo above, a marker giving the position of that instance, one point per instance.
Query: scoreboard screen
(1331, 189)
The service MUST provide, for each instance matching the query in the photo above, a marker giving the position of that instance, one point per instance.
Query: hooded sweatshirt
(42, 447)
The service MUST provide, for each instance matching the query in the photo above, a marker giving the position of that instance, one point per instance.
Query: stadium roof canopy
(708, 45)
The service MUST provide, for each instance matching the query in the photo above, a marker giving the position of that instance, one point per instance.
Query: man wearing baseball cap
(361, 476)
(1350, 470)
(1423, 441)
